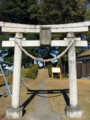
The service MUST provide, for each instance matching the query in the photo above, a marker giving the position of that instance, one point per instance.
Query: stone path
(43, 109)
(43, 74)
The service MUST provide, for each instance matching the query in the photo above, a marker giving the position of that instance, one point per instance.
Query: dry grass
(58, 103)
(26, 98)
(9, 78)
(56, 100)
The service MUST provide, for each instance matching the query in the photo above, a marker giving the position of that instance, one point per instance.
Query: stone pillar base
(14, 112)
(73, 111)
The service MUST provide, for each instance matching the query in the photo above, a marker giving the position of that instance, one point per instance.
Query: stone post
(73, 110)
(15, 111)
(72, 72)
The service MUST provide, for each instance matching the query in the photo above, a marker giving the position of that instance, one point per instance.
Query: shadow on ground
(41, 92)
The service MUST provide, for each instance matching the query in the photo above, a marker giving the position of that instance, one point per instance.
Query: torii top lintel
(59, 28)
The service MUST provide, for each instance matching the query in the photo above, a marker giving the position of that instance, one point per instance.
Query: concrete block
(73, 111)
(14, 112)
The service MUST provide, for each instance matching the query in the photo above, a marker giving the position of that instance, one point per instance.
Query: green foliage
(50, 69)
(3, 36)
(15, 10)
(32, 72)
(24, 71)
(58, 11)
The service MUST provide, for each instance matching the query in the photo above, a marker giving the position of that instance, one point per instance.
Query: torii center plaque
(45, 36)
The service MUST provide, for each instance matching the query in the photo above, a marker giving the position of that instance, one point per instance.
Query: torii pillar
(15, 111)
(73, 110)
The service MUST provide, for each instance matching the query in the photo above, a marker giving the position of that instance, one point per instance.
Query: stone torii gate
(73, 110)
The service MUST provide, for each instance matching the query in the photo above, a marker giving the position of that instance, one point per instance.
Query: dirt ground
(58, 97)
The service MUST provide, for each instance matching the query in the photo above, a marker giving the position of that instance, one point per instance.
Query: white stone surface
(14, 113)
(12, 39)
(74, 111)
(66, 43)
(68, 25)
(75, 38)
(72, 74)
(36, 43)
(34, 30)
(17, 72)
(75, 114)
